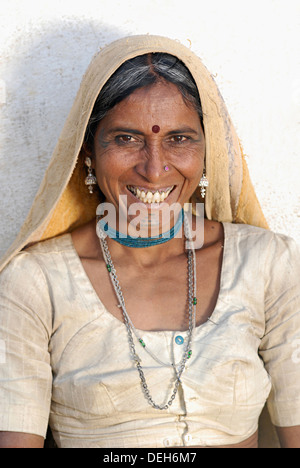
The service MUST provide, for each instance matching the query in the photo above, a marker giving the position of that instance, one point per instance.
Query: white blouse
(63, 356)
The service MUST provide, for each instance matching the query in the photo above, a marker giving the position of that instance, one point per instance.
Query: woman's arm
(20, 440)
(278, 345)
(25, 372)
(289, 437)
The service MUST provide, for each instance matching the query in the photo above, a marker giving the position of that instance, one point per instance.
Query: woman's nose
(152, 166)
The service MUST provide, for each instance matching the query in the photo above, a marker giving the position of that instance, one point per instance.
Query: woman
(133, 330)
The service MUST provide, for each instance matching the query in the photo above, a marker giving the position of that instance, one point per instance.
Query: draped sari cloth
(63, 203)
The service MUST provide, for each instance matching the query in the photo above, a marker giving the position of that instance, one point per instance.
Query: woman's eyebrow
(183, 130)
(134, 131)
(124, 130)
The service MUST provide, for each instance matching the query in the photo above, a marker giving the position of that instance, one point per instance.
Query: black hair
(143, 70)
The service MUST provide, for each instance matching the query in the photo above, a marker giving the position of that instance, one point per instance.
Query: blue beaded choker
(141, 242)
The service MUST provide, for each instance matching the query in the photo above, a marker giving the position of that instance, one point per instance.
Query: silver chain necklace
(192, 301)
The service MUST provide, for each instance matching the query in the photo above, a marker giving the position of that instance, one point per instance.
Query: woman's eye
(179, 139)
(123, 139)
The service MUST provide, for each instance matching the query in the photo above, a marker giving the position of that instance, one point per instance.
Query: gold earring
(90, 179)
(203, 184)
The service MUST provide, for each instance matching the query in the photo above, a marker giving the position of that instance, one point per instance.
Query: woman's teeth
(150, 196)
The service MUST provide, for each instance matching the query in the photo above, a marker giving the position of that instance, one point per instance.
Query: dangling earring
(90, 179)
(203, 184)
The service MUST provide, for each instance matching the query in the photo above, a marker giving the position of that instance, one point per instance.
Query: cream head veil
(63, 202)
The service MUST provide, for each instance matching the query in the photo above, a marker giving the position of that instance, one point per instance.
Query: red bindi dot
(155, 128)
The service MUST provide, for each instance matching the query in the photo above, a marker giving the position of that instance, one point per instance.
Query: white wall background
(252, 48)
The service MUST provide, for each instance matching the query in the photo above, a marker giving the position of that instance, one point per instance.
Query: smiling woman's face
(150, 130)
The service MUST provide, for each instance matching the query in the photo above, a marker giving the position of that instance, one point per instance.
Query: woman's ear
(86, 149)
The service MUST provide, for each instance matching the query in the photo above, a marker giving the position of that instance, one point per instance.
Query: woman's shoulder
(26, 281)
(252, 239)
(28, 263)
(246, 230)
(238, 233)
(50, 246)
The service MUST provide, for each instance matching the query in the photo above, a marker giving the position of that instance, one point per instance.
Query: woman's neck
(147, 256)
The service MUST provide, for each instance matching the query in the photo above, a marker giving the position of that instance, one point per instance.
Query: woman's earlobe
(87, 152)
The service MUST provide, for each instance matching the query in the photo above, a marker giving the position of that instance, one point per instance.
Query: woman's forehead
(156, 106)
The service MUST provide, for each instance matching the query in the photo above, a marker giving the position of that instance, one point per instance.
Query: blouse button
(167, 442)
(179, 340)
(188, 438)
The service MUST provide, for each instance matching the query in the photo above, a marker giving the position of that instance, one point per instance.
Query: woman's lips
(150, 196)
